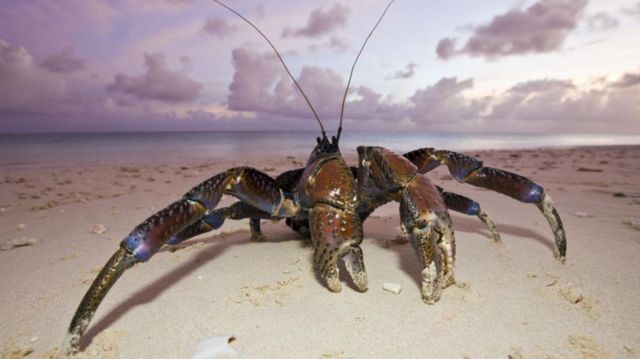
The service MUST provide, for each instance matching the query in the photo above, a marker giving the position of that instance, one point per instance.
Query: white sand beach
(512, 300)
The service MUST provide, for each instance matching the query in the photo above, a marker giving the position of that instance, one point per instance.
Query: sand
(512, 300)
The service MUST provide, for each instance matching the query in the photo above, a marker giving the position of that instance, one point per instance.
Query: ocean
(54, 150)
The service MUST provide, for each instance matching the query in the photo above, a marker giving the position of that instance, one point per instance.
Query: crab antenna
(281, 61)
(346, 90)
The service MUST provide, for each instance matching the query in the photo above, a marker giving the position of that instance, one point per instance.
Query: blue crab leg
(248, 184)
(216, 218)
(470, 170)
(462, 204)
(423, 213)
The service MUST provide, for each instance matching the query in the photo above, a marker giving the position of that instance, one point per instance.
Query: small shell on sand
(99, 229)
(215, 347)
(21, 226)
(394, 288)
(17, 242)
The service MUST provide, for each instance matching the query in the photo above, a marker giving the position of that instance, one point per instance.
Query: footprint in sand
(569, 292)
(588, 347)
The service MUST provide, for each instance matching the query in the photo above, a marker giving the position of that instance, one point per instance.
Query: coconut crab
(327, 201)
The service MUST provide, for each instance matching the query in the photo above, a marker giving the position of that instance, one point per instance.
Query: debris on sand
(585, 169)
(582, 214)
(99, 229)
(394, 288)
(16, 352)
(17, 242)
(632, 223)
(571, 294)
(215, 347)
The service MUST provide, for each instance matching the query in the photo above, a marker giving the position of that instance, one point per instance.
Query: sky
(512, 66)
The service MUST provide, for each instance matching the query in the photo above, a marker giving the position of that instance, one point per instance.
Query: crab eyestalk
(113, 269)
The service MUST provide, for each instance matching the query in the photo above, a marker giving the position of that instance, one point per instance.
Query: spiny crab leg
(215, 220)
(247, 184)
(112, 270)
(470, 170)
(462, 204)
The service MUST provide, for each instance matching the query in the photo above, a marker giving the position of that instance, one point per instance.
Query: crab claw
(336, 235)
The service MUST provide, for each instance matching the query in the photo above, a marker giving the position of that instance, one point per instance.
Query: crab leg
(247, 184)
(462, 204)
(470, 170)
(423, 213)
(216, 218)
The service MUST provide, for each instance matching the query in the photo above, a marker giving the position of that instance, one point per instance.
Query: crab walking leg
(336, 234)
(422, 211)
(470, 170)
(462, 204)
(247, 184)
(372, 197)
(216, 218)
(136, 247)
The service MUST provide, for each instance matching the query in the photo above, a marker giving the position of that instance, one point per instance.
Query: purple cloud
(260, 84)
(602, 21)
(218, 27)
(63, 61)
(158, 82)
(25, 86)
(407, 72)
(320, 22)
(338, 44)
(558, 105)
(633, 11)
(444, 102)
(542, 27)
(629, 79)
(446, 48)
(545, 85)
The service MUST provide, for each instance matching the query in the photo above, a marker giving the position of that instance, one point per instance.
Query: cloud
(261, 87)
(560, 106)
(542, 27)
(336, 43)
(320, 22)
(633, 11)
(25, 86)
(260, 84)
(44, 26)
(339, 44)
(407, 72)
(444, 102)
(602, 21)
(63, 61)
(629, 79)
(218, 27)
(158, 82)
(446, 48)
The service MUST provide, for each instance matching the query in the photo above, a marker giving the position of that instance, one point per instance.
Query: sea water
(54, 150)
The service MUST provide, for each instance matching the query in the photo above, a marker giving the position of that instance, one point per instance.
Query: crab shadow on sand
(217, 244)
(408, 260)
